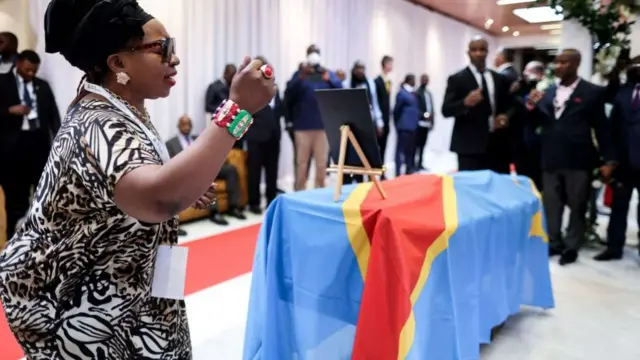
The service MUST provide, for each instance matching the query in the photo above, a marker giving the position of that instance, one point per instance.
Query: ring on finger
(267, 71)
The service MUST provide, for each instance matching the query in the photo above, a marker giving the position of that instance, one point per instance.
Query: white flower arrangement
(548, 79)
(606, 58)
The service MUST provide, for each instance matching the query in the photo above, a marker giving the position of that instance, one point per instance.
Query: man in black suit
(383, 92)
(8, 51)
(568, 113)
(263, 150)
(228, 172)
(625, 135)
(504, 64)
(29, 120)
(479, 100)
(218, 92)
(425, 102)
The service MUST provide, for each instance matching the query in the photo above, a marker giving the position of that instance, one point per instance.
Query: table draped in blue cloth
(424, 274)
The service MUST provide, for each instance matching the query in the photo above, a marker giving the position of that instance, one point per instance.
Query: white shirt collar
(572, 86)
(407, 87)
(475, 70)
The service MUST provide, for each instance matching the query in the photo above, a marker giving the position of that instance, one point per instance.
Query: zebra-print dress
(75, 280)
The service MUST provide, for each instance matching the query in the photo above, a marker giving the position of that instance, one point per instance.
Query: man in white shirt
(504, 64)
(481, 103)
(29, 120)
(568, 113)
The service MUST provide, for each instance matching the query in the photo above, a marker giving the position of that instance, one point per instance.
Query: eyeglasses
(167, 46)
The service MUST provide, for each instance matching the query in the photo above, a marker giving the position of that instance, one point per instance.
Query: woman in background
(406, 114)
(78, 280)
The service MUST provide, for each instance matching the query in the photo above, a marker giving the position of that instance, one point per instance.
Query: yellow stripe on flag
(537, 227)
(355, 229)
(450, 209)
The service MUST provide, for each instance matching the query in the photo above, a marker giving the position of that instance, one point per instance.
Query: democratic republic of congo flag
(424, 274)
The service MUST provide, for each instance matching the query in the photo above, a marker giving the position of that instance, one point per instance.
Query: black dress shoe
(608, 255)
(568, 257)
(553, 251)
(236, 213)
(255, 210)
(218, 219)
(182, 232)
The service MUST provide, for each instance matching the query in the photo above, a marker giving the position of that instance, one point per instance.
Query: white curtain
(210, 34)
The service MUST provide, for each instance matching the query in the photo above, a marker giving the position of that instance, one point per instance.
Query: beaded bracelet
(229, 116)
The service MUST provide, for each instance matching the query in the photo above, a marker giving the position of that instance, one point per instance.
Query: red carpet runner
(212, 260)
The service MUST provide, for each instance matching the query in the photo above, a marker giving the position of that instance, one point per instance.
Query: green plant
(608, 21)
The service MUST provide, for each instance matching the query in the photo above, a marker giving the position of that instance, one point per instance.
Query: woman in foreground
(78, 279)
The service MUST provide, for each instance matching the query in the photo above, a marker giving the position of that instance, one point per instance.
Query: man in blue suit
(406, 114)
(568, 113)
(625, 134)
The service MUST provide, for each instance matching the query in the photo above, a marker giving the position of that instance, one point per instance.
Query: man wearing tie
(568, 113)
(29, 120)
(406, 115)
(228, 173)
(263, 150)
(218, 92)
(479, 100)
(425, 101)
(383, 92)
(625, 135)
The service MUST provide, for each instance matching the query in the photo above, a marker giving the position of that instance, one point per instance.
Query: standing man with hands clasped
(567, 113)
(479, 100)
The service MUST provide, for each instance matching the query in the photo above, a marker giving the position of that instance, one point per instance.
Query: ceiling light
(538, 14)
(505, 28)
(511, 2)
(516, 33)
(551, 27)
(555, 32)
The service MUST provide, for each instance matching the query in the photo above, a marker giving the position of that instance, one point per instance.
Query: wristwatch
(231, 117)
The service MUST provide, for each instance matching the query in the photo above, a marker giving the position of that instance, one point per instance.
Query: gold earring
(122, 78)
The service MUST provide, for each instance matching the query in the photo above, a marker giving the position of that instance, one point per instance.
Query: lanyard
(159, 146)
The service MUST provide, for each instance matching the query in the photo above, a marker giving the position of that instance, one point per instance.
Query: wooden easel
(342, 169)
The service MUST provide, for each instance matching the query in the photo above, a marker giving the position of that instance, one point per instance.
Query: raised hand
(250, 89)
(473, 98)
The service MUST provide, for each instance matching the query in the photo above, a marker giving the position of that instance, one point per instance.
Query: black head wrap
(86, 32)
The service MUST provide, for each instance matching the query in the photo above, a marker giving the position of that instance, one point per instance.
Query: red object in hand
(608, 196)
(267, 71)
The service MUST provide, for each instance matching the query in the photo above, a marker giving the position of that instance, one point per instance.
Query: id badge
(170, 272)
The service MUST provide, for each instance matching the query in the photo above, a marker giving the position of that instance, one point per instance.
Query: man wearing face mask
(625, 134)
(310, 139)
(359, 80)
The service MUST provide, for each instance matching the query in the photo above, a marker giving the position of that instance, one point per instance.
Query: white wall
(14, 17)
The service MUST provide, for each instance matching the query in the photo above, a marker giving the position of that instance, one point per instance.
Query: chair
(237, 158)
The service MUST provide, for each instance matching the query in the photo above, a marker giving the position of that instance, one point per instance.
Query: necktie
(486, 102)
(188, 140)
(28, 102)
(635, 102)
